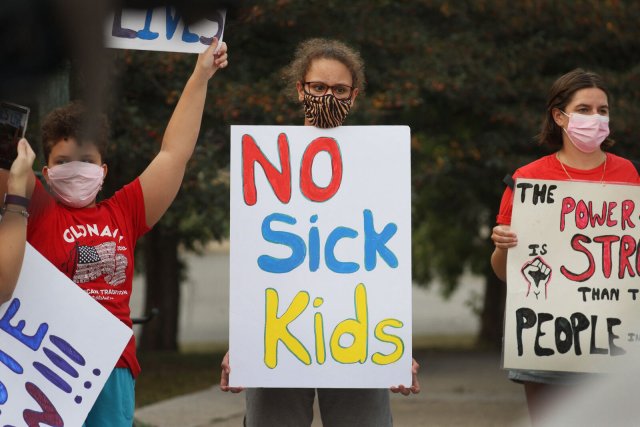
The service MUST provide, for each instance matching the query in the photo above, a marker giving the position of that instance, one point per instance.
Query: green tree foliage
(469, 77)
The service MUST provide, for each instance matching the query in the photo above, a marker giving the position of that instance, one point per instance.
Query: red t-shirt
(94, 248)
(617, 170)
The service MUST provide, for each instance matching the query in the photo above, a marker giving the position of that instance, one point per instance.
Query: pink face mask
(587, 132)
(76, 184)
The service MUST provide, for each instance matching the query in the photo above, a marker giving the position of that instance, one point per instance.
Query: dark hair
(561, 95)
(73, 121)
(312, 49)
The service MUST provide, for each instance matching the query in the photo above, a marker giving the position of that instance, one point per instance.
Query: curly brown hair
(317, 48)
(561, 95)
(73, 121)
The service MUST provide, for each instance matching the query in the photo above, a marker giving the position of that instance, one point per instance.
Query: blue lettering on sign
(295, 242)
(172, 25)
(146, 33)
(118, 31)
(172, 20)
(61, 363)
(15, 367)
(10, 363)
(68, 350)
(47, 412)
(374, 245)
(377, 243)
(52, 377)
(329, 249)
(4, 394)
(219, 19)
(188, 36)
(314, 245)
(33, 341)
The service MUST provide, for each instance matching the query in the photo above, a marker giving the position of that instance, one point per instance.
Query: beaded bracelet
(22, 212)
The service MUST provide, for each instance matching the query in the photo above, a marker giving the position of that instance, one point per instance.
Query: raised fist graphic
(537, 273)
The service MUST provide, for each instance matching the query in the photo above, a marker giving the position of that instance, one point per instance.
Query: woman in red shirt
(576, 123)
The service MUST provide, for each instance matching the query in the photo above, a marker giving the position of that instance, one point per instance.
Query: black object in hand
(13, 124)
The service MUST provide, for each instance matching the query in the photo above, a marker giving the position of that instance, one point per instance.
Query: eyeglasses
(320, 89)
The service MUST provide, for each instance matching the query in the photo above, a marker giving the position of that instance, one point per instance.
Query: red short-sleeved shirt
(94, 248)
(618, 170)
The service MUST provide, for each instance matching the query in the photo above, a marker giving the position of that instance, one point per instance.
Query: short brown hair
(73, 121)
(561, 95)
(312, 49)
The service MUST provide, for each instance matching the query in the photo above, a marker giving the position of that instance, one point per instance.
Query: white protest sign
(320, 256)
(57, 348)
(573, 301)
(161, 29)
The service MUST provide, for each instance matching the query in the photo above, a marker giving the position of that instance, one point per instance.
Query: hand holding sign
(415, 383)
(224, 376)
(503, 237)
(162, 29)
(212, 59)
(537, 273)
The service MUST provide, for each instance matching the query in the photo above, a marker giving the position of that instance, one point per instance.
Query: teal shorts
(116, 402)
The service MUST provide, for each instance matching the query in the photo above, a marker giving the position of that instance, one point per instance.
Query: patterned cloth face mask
(325, 111)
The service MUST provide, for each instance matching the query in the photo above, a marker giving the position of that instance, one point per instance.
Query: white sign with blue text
(161, 29)
(58, 346)
(320, 256)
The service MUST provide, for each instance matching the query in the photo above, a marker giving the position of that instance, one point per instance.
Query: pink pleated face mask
(76, 184)
(587, 131)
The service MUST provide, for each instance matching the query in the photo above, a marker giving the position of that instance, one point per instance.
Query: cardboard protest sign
(320, 256)
(57, 348)
(572, 286)
(161, 29)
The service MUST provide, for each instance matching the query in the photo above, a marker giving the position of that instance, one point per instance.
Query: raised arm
(162, 179)
(13, 226)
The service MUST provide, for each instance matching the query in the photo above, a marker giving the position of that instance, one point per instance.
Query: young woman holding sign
(576, 123)
(327, 77)
(93, 243)
(13, 224)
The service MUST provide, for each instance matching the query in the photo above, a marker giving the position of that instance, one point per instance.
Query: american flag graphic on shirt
(92, 262)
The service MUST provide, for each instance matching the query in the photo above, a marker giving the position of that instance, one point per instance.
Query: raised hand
(212, 59)
(21, 169)
(161, 180)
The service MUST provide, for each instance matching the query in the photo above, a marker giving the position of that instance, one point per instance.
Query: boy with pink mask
(93, 243)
